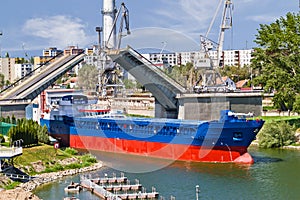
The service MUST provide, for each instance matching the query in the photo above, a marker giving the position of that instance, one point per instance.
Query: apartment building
(22, 70)
(162, 60)
(8, 69)
(51, 52)
(240, 58)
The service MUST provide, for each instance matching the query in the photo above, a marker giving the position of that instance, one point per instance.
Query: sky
(30, 26)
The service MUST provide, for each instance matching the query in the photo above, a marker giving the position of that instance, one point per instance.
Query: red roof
(241, 83)
(71, 80)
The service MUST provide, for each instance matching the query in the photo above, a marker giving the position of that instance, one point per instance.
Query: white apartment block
(162, 60)
(200, 59)
(240, 58)
(92, 56)
(22, 70)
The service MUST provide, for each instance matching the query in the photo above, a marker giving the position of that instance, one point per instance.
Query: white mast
(109, 30)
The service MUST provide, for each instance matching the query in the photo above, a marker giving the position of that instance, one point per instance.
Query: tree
(29, 131)
(2, 80)
(278, 59)
(236, 73)
(296, 106)
(88, 77)
(186, 75)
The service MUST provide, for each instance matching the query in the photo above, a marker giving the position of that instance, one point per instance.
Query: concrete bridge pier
(16, 109)
(162, 112)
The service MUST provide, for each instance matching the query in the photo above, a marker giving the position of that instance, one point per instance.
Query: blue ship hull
(225, 140)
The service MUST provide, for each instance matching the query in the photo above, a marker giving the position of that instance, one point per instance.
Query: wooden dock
(122, 187)
(117, 188)
(113, 179)
(98, 190)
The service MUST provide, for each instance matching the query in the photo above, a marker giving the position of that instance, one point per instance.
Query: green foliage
(2, 139)
(236, 73)
(88, 158)
(7, 120)
(186, 75)
(30, 132)
(296, 105)
(13, 119)
(88, 77)
(12, 185)
(278, 59)
(276, 134)
(2, 80)
(129, 84)
(71, 151)
(50, 158)
(73, 166)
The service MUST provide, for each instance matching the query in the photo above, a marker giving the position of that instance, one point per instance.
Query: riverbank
(24, 190)
(44, 164)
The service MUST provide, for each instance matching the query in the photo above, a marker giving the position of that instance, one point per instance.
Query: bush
(88, 158)
(71, 151)
(276, 134)
(2, 139)
(58, 167)
(73, 166)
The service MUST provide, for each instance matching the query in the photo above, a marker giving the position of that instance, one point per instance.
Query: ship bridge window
(237, 136)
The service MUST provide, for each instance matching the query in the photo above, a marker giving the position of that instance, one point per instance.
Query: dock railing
(10, 152)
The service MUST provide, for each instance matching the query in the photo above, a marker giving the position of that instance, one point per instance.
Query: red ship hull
(162, 150)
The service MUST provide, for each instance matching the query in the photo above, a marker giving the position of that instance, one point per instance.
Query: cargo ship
(223, 140)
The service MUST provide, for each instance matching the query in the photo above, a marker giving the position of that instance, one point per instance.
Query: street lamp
(99, 30)
(99, 60)
(197, 192)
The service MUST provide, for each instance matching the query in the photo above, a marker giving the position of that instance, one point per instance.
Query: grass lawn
(45, 153)
(279, 118)
(48, 158)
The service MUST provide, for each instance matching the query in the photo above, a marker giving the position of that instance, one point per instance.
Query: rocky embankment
(23, 191)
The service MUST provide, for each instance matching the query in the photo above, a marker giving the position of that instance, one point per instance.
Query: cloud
(60, 31)
(263, 18)
(192, 17)
(154, 37)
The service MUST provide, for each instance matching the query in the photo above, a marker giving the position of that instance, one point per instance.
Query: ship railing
(240, 115)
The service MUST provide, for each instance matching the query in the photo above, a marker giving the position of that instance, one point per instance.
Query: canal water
(274, 175)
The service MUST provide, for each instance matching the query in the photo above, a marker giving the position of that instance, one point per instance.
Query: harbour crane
(109, 72)
(210, 78)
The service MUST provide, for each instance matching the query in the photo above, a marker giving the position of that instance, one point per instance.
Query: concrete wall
(207, 106)
(18, 110)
